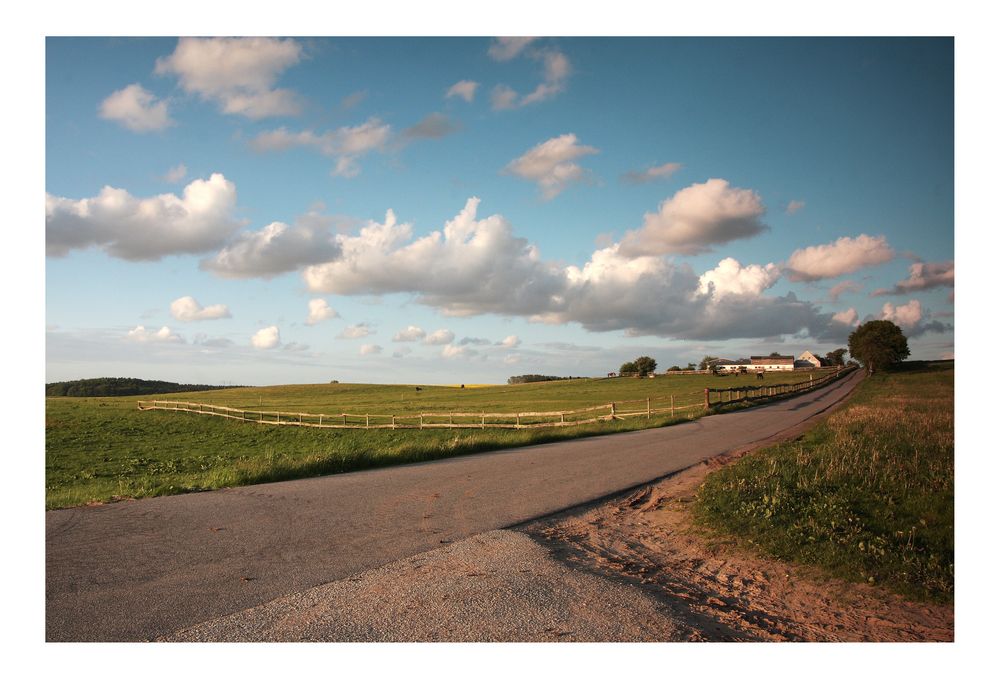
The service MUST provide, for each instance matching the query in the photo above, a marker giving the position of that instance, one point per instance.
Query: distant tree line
(524, 379)
(642, 366)
(121, 386)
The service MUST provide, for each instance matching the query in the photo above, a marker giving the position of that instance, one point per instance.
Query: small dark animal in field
(760, 374)
(419, 389)
(463, 386)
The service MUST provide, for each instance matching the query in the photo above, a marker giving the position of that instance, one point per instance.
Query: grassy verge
(868, 495)
(104, 449)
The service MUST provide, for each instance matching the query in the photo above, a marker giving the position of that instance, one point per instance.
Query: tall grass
(868, 495)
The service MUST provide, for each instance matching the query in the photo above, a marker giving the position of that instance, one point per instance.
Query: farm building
(772, 363)
(809, 360)
(724, 365)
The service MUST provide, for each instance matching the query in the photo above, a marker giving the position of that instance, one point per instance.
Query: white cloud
(511, 341)
(401, 352)
(356, 331)
(923, 276)
(137, 109)
(143, 228)
(664, 171)
(794, 206)
(370, 349)
(550, 164)
(503, 97)
(412, 333)
(843, 256)
(175, 174)
(696, 218)
(847, 317)
(345, 144)
(276, 249)
(237, 73)
(452, 351)
(477, 266)
(163, 335)
(464, 89)
(906, 316)
(469, 267)
(266, 338)
(319, 311)
(731, 278)
(505, 49)
(476, 341)
(353, 99)
(187, 309)
(442, 336)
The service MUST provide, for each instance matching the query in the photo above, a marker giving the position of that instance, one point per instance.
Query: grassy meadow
(868, 495)
(104, 449)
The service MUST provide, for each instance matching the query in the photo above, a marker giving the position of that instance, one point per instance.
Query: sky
(444, 210)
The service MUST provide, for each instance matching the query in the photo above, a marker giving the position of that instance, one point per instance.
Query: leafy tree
(691, 366)
(645, 365)
(704, 365)
(836, 357)
(774, 354)
(673, 368)
(878, 344)
(627, 368)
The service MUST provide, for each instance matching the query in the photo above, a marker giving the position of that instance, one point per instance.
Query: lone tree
(836, 357)
(645, 365)
(707, 362)
(878, 344)
(628, 368)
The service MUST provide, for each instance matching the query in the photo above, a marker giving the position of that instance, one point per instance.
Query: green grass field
(102, 449)
(868, 495)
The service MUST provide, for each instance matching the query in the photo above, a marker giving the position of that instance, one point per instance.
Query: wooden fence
(617, 410)
(748, 393)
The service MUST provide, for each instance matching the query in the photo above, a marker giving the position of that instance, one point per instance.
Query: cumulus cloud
(511, 341)
(475, 341)
(464, 89)
(238, 74)
(847, 317)
(505, 49)
(266, 338)
(696, 218)
(143, 228)
(923, 276)
(187, 309)
(731, 278)
(401, 352)
(320, 311)
(905, 315)
(503, 97)
(356, 331)
(651, 173)
(137, 109)
(276, 249)
(163, 335)
(175, 174)
(794, 206)
(471, 266)
(843, 256)
(434, 126)
(442, 336)
(412, 333)
(345, 144)
(845, 286)
(453, 351)
(478, 266)
(353, 99)
(370, 349)
(551, 164)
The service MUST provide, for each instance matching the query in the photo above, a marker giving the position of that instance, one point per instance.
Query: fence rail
(747, 393)
(616, 410)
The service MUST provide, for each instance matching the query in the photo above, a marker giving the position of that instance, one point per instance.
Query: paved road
(138, 570)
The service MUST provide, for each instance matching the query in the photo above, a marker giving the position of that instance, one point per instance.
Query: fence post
(421, 420)
(393, 421)
(321, 420)
(562, 418)
(671, 405)
(366, 420)
(707, 400)
(647, 408)
(517, 422)
(484, 420)
(345, 418)
(612, 410)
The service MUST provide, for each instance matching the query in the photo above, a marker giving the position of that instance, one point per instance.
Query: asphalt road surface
(134, 571)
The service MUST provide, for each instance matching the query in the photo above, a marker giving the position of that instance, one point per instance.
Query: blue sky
(666, 196)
